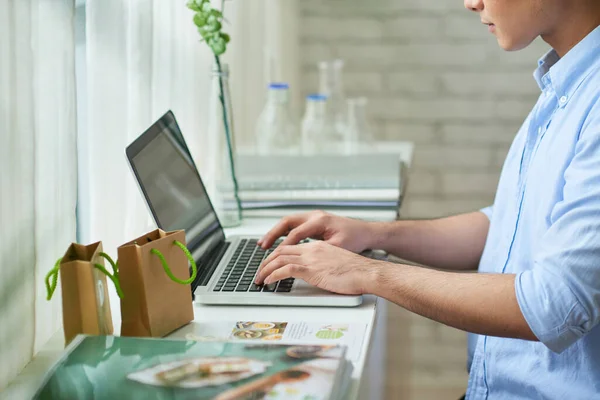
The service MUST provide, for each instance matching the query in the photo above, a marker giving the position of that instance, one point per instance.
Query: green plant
(209, 22)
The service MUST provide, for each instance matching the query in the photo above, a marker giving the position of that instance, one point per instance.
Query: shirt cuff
(488, 211)
(553, 313)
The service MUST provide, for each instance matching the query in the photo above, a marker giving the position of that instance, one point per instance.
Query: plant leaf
(204, 33)
(213, 26)
(191, 4)
(199, 20)
(216, 13)
(219, 48)
(209, 24)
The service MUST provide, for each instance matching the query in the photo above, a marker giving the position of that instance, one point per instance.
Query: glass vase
(224, 191)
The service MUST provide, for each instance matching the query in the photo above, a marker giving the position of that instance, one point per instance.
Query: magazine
(350, 335)
(113, 367)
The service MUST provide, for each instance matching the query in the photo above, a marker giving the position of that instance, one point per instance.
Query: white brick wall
(469, 183)
(480, 134)
(437, 109)
(434, 76)
(462, 25)
(413, 83)
(419, 133)
(415, 27)
(445, 158)
(511, 84)
(347, 28)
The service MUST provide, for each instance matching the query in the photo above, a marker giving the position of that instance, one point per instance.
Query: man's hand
(320, 264)
(480, 303)
(350, 234)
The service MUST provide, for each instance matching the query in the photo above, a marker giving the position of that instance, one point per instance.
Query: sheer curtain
(136, 59)
(38, 179)
(143, 58)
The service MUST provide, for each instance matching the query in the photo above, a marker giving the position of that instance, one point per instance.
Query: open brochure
(321, 333)
(113, 367)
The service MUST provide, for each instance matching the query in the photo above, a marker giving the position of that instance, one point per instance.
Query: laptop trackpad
(302, 288)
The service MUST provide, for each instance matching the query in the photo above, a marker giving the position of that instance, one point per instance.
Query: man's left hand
(320, 264)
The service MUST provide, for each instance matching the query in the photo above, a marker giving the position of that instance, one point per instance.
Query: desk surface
(25, 385)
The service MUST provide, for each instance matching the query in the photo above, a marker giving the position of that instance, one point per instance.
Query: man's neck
(575, 23)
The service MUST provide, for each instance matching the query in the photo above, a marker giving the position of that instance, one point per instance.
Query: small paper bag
(85, 301)
(153, 304)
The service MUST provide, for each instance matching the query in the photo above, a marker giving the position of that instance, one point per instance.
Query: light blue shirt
(545, 228)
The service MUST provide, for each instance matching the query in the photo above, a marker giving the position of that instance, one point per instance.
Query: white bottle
(276, 130)
(319, 133)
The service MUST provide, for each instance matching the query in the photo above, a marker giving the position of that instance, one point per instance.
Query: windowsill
(30, 378)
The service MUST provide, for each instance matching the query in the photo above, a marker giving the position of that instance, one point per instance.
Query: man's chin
(508, 44)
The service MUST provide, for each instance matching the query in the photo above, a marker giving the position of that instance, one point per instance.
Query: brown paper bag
(153, 304)
(85, 301)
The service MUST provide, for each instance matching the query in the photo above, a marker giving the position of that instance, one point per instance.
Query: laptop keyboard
(241, 270)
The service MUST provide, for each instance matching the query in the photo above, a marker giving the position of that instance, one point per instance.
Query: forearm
(454, 243)
(478, 303)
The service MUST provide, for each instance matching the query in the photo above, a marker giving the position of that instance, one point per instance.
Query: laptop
(176, 196)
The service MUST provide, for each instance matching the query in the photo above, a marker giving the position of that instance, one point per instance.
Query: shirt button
(539, 130)
(563, 100)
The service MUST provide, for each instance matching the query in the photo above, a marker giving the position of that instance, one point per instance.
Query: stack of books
(113, 367)
(365, 185)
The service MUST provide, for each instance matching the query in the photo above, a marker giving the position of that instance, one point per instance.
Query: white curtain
(136, 60)
(38, 175)
(143, 58)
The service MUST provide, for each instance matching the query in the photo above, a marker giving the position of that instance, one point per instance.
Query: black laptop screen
(172, 186)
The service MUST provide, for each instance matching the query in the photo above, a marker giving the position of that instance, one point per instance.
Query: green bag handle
(168, 270)
(52, 276)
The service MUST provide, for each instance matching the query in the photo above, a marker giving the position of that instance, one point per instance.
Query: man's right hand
(350, 234)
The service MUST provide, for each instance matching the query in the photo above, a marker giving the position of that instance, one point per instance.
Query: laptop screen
(169, 180)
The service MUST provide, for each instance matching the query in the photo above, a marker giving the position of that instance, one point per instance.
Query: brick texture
(434, 76)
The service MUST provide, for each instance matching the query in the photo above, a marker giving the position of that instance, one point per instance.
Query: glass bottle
(319, 134)
(331, 85)
(222, 184)
(276, 130)
(358, 134)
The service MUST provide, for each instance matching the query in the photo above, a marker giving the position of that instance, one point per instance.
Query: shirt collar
(566, 74)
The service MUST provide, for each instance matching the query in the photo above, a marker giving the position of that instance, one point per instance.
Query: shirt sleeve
(488, 211)
(560, 296)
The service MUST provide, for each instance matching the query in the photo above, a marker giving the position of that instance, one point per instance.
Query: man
(535, 305)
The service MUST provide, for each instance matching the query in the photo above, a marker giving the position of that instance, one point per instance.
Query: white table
(363, 386)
